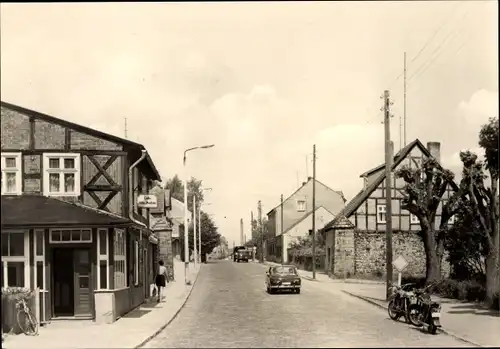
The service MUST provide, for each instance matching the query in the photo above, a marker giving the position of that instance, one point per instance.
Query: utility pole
(251, 226)
(195, 250)
(259, 217)
(282, 237)
(314, 214)
(404, 104)
(241, 232)
(388, 199)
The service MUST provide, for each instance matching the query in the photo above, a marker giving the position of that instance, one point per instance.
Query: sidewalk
(130, 331)
(466, 321)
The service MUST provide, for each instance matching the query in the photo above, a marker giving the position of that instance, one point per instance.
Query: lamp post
(186, 227)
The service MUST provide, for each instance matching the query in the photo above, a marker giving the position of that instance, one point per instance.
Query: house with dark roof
(357, 234)
(71, 224)
(293, 218)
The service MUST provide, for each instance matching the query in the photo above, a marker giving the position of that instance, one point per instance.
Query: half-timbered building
(70, 223)
(357, 234)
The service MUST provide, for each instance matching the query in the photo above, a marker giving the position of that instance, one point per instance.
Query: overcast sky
(263, 81)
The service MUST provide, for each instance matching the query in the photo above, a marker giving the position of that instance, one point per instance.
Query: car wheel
(268, 290)
(273, 291)
(297, 290)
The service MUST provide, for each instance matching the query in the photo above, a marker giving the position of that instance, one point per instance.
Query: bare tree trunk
(432, 260)
(492, 260)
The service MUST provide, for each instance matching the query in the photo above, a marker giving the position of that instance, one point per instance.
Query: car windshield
(284, 270)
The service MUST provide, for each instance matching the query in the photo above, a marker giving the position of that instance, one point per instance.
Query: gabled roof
(295, 192)
(308, 214)
(36, 211)
(124, 142)
(353, 205)
(404, 150)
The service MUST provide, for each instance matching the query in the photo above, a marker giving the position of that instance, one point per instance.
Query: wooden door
(83, 283)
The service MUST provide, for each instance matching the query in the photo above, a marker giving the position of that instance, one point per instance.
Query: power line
(434, 34)
(439, 49)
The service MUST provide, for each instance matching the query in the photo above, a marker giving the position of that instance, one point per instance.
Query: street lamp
(186, 227)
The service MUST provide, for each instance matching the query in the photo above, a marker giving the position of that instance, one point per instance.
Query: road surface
(230, 308)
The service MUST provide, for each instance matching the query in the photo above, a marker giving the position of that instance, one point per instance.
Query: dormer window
(301, 205)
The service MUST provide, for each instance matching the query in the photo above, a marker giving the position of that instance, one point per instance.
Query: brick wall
(84, 141)
(15, 130)
(48, 135)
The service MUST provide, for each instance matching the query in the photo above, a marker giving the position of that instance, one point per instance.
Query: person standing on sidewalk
(161, 278)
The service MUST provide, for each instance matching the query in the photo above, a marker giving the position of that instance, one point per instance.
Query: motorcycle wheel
(414, 315)
(392, 310)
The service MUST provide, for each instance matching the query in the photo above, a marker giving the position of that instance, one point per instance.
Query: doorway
(72, 296)
(64, 285)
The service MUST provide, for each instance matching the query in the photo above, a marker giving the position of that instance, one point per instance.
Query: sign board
(400, 264)
(147, 201)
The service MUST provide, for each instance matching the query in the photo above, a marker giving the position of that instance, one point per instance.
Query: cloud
(482, 105)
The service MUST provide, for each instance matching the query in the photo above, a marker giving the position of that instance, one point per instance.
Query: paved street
(229, 307)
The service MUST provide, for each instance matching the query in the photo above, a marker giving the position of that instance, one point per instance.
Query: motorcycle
(425, 311)
(400, 300)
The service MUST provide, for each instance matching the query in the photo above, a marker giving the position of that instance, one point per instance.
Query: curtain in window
(54, 182)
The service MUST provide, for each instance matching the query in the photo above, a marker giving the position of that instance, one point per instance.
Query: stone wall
(361, 253)
(165, 250)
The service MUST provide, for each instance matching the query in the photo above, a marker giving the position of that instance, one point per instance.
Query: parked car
(283, 277)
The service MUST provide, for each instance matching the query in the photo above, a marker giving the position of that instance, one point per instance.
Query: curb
(156, 333)
(447, 332)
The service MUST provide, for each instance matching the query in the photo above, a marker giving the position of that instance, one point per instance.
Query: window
(102, 256)
(301, 205)
(120, 258)
(136, 262)
(61, 174)
(11, 175)
(15, 259)
(380, 213)
(39, 254)
(414, 219)
(65, 236)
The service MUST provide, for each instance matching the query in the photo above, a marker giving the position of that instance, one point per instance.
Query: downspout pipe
(131, 192)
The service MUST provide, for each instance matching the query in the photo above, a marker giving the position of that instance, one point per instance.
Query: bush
(10, 297)
(467, 290)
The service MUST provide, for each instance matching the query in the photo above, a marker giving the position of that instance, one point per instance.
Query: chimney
(435, 149)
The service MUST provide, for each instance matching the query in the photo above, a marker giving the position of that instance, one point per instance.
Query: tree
(488, 208)
(210, 237)
(194, 186)
(423, 193)
(466, 246)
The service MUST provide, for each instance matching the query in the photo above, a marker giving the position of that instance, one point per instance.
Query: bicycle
(25, 318)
